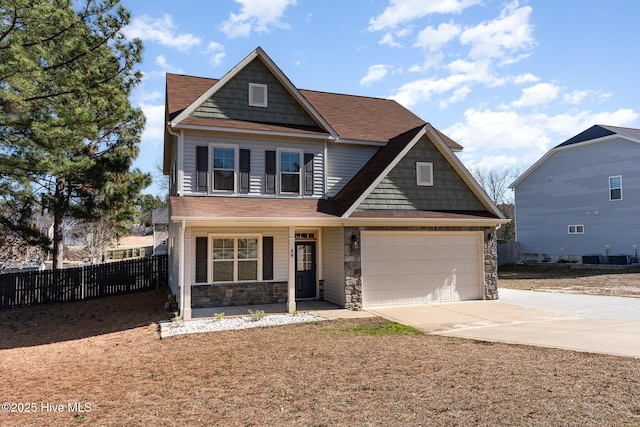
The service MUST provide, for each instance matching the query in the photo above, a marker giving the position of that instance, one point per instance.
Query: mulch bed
(106, 354)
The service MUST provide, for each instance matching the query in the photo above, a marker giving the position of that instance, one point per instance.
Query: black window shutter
(267, 258)
(202, 167)
(308, 174)
(245, 168)
(201, 259)
(270, 168)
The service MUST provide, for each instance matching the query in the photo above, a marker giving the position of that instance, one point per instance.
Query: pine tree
(68, 134)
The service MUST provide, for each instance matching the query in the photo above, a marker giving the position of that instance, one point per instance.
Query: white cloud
(541, 93)
(487, 134)
(161, 31)
(506, 35)
(402, 11)
(216, 50)
(375, 74)
(153, 133)
(421, 91)
(526, 78)
(389, 40)
(578, 96)
(256, 15)
(433, 39)
(161, 61)
(458, 95)
(143, 96)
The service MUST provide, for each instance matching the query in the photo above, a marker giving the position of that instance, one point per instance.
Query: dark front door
(305, 270)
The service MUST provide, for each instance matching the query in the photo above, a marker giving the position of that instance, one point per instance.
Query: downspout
(178, 159)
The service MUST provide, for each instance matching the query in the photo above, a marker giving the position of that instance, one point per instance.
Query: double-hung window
(290, 162)
(235, 259)
(615, 187)
(224, 168)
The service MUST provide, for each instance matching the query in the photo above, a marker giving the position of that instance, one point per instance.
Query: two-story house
(280, 194)
(582, 199)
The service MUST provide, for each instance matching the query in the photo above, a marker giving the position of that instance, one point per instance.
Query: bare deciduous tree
(496, 182)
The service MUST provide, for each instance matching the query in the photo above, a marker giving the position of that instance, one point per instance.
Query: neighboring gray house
(160, 221)
(280, 194)
(582, 198)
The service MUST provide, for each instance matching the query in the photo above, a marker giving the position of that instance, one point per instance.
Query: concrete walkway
(608, 325)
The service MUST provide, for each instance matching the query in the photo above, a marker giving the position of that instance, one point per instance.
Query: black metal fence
(74, 284)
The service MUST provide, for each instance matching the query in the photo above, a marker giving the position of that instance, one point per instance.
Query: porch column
(291, 289)
(186, 314)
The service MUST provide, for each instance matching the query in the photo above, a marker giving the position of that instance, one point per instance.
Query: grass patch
(389, 328)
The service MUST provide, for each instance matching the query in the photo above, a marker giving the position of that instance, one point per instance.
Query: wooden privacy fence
(74, 284)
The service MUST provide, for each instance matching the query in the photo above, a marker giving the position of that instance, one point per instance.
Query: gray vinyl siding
(343, 162)
(399, 189)
(232, 100)
(572, 188)
(257, 148)
(280, 247)
(333, 260)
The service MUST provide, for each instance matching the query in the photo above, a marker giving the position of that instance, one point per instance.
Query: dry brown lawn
(106, 353)
(563, 278)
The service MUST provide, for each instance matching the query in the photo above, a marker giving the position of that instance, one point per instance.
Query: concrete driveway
(609, 325)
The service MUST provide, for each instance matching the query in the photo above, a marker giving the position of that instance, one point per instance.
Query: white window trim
(235, 237)
(252, 102)
(611, 188)
(300, 153)
(423, 183)
(575, 229)
(236, 166)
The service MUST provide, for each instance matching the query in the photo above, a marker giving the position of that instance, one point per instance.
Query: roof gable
(215, 102)
(397, 154)
(601, 131)
(596, 133)
(231, 101)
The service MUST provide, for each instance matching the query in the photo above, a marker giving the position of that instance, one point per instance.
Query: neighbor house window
(290, 172)
(424, 173)
(576, 229)
(235, 259)
(224, 168)
(615, 187)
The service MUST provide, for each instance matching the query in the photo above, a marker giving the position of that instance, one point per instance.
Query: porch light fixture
(354, 242)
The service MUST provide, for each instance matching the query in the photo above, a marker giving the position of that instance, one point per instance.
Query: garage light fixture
(354, 242)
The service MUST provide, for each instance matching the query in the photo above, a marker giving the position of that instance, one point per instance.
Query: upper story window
(224, 167)
(290, 162)
(258, 95)
(615, 187)
(424, 174)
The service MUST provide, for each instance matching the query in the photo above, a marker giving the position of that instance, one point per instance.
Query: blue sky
(506, 79)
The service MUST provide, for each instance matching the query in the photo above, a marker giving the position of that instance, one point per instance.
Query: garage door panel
(409, 268)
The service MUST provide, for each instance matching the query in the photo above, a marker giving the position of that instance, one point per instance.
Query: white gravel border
(174, 328)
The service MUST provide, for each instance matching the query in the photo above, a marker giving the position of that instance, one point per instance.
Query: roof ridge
(348, 94)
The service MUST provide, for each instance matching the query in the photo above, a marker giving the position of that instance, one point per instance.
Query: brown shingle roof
(348, 195)
(182, 90)
(220, 208)
(352, 117)
(248, 207)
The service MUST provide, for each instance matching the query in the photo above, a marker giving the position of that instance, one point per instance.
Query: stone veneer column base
(228, 294)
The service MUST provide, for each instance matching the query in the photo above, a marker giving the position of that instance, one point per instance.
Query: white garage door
(413, 268)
